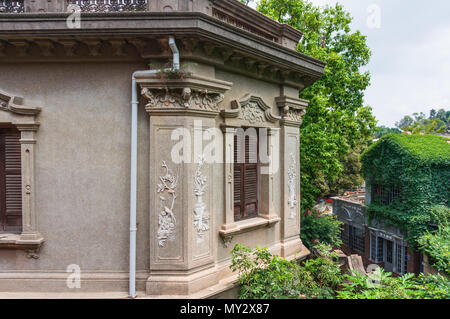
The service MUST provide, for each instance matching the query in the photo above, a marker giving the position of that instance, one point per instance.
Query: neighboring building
(66, 128)
(390, 167)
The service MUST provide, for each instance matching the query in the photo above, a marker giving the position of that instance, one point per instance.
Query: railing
(10, 6)
(110, 5)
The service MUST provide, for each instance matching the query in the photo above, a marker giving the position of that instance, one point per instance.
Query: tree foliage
(337, 122)
(325, 228)
(437, 122)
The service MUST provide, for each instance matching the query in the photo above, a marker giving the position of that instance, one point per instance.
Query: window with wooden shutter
(246, 177)
(10, 181)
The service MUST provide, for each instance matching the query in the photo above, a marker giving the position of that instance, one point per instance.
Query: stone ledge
(16, 241)
(228, 231)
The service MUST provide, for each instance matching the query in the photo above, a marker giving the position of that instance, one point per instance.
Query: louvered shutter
(246, 178)
(11, 180)
(251, 176)
(238, 179)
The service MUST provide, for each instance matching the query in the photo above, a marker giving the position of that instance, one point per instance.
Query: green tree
(383, 130)
(437, 122)
(337, 121)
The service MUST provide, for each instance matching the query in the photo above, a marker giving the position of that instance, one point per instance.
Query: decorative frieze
(201, 217)
(182, 98)
(167, 220)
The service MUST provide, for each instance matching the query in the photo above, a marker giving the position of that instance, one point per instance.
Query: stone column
(292, 111)
(181, 182)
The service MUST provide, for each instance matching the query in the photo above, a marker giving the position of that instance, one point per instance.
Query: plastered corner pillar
(292, 111)
(182, 253)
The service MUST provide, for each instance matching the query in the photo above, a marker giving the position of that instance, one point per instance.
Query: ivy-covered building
(407, 194)
(407, 181)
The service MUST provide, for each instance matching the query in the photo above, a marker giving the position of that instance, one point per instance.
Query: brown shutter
(238, 179)
(246, 179)
(11, 180)
(251, 176)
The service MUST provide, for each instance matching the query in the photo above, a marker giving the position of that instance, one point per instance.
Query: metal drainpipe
(133, 175)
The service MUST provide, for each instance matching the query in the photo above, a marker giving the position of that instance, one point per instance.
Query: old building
(103, 107)
(406, 177)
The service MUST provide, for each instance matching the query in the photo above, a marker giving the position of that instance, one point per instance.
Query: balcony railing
(110, 5)
(10, 6)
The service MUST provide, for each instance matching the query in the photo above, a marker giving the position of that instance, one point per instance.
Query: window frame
(24, 118)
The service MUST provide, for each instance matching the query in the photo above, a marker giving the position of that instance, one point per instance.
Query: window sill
(228, 231)
(17, 241)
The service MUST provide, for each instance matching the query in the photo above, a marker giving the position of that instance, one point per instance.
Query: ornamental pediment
(251, 110)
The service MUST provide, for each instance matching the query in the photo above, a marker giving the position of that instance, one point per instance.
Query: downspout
(133, 174)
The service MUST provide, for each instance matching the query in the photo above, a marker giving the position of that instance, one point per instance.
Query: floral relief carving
(182, 98)
(295, 115)
(201, 217)
(167, 220)
(252, 113)
(292, 180)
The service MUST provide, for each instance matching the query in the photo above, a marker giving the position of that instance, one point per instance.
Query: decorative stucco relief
(295, 115)
(201, 217)
(292, 181)
(252, 113)
(182, 98)
(167, 220)
(252, 109)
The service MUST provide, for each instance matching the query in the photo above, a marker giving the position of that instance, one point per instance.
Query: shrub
(377, 285)
(264, 276)
(325, 228)
(432, 287)
(436, 246)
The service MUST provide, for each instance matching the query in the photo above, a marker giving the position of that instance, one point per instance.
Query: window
(353, 238)
(385, 195)
(246, 175)
(10, 181)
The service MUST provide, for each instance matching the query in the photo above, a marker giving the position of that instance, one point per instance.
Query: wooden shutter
(246, 179)
(11, 180)
(251, 176)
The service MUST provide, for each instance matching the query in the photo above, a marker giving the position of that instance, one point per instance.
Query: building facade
(377, 243)
(204, 94)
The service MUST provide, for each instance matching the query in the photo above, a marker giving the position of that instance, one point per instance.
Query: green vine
(420, 166)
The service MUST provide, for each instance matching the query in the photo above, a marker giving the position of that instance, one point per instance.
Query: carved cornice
(292, 109)
(189, 94)
(251, 109)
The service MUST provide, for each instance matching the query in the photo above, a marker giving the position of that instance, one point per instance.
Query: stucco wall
(82, 165)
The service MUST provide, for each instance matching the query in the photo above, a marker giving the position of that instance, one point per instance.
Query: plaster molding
(201, 216)
(24, 118)
(251, 109)
(191, 93)
(292, 109)
(14, 105)
(292, 181)
(167, 220)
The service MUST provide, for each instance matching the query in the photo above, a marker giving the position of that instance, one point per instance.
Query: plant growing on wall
(420, 165)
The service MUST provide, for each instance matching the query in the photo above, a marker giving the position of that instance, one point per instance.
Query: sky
(410, 63)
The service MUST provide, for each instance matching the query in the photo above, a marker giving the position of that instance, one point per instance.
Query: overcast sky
(410, 62)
